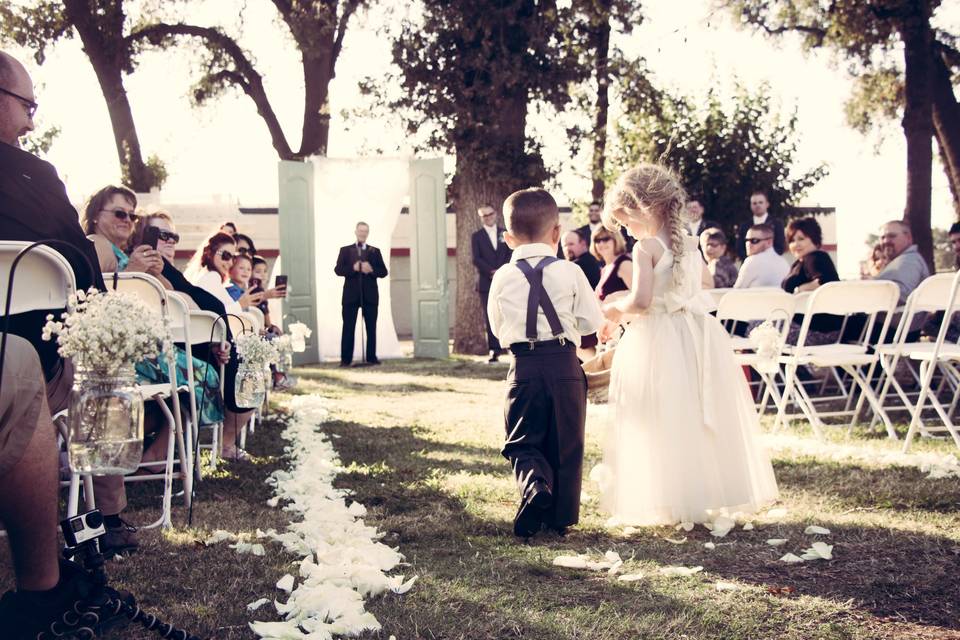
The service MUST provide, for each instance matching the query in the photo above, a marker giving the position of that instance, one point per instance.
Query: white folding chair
(931, 296)
(43, 280)
(869, 297)
(149, 290)
(206, 327)
(932, 356)
(747, 305)
(258, 318)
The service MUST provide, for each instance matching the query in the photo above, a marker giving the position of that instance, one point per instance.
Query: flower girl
(685, 441)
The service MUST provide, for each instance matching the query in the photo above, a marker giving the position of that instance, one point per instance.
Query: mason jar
(250, 387)
(106, 422)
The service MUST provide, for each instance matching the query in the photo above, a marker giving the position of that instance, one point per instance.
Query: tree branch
(245, 75)
(349, 8)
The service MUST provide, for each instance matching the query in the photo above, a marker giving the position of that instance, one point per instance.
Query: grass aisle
(421, 441)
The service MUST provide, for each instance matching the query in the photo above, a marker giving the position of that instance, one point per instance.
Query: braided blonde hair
(650, 190)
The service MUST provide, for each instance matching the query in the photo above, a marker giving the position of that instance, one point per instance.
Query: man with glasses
(764, 267)
(489, 253)
(759, 206)
(34, 206)
(906, 267)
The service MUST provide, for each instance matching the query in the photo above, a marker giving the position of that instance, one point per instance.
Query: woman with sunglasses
(213, 274)
(109, 220)
(617, 272)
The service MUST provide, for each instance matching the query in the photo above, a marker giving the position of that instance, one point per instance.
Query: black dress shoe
(532, 510)
(374, 362)
(344, 364)
(494, 357)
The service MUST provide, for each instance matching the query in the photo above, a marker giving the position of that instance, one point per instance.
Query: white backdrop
(346, 192)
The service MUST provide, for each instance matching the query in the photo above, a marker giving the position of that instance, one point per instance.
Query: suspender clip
(563, 341)
(532, 343)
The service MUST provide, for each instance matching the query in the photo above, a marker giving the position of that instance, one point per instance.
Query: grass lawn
(420, 441)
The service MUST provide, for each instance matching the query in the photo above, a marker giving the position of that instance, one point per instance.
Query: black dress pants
(350, 327)
(545, 414)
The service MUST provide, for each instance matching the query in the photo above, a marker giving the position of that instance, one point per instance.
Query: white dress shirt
(575, 302)
(594, 227)
(492, 234)
(762, 219)
(765, 269)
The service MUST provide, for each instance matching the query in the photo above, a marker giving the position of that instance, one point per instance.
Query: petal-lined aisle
(343, 561)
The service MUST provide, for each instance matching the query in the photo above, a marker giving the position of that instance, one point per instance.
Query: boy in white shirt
(541, 306)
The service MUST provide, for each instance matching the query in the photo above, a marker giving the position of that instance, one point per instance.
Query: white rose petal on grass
(720, 585)
(285, 583)
(630, 577)
(791, 559)
(256, 604)
(819, 551)
(219, 536)
(777, 514)
(722, 526)
(570, 562)
(246, 547)
(406, 586)
(777, 542)
(615, 568)
(274, 501)
(679, 572)
(682, 540)
(814, 530)
(612, 556)
(687, 526)
(629, 531)
(748, 526)
(709, 545)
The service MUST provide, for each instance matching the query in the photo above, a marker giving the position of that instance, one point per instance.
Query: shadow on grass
(456, 367)
(510, 589)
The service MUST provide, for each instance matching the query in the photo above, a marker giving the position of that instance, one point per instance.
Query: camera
(82, 528)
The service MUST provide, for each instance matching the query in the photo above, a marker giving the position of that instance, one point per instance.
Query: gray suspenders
(539, 299)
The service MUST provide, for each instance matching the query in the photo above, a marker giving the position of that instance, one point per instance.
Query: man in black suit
(575, 249)
(489, 252)
(696, 223)
(758, 207)
(360, 265)
(593, 224)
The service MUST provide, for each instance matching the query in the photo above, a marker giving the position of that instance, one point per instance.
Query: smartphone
(151, 236)
(280, 282)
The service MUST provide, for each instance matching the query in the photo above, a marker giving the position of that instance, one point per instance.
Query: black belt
(524, 347)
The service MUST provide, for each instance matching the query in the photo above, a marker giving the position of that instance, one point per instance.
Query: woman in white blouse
(213, 273)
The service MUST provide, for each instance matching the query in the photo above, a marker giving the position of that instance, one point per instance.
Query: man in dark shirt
(759, 206)
(575, 249)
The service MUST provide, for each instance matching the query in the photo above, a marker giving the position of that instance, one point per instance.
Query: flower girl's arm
(706, 280)
(641, 293)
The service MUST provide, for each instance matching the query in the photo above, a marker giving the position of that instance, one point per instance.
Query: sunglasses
(243, 250)
(169, 236)
(756, 240)
(226, 255)
(603, 239)
(30, 105)
(120, 214)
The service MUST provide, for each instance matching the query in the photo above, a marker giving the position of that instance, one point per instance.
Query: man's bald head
(15, 118)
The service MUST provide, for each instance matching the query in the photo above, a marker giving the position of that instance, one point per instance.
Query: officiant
(360, 264)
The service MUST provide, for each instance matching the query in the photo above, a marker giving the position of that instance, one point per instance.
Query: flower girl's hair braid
(651, 189)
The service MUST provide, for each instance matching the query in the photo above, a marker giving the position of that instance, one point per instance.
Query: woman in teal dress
(110, 223)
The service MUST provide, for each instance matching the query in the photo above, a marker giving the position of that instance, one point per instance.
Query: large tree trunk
(483, 176)
(317, 73)
(918, 124)
(601, 46)
(946, 125)
(101, 43)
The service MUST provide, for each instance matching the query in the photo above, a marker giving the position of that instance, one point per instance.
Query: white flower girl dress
(685, 438)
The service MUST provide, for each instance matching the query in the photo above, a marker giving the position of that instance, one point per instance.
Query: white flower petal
(680, 541)
(777, 542)
(720, 585)
(570, 562)
(286, 583)
(630, 577)
(256, 604)
(674, 572)
(709, 545)
(791, 559)
(777, 514)
(814, 530)
(687, 526)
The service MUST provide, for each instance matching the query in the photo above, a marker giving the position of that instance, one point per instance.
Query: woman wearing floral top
(713, 242)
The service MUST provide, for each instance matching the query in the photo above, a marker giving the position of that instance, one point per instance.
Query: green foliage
(469, 70)
(156, 170)
(37, 26)
(721, 153)
(39, 142)
(877, 98)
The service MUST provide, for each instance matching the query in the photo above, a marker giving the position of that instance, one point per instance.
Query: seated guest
(215, 259)
(575, 250)
(812, 268)
(228, 228)
(109, 220)
(240, 272)
(617, 272)
(245, 245)
(763, 267)
(713, 244)
(875, 262)
(906, 268)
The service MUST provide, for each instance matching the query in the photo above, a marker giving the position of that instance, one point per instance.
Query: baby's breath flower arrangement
(255, 354)
(107, 332)
(766, 340)
(255, 351)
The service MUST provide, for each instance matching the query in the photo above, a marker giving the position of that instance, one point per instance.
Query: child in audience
(240, 274)
(541, 307)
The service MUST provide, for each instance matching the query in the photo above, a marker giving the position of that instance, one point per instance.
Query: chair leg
(916, 421)
(868, 394)
(805, 402)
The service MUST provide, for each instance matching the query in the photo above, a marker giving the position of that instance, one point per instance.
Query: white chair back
(848, 297)
(258, 317)
(206, 326)
(744, 305)
(43, 279)
(931, 296)
(240, 324)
